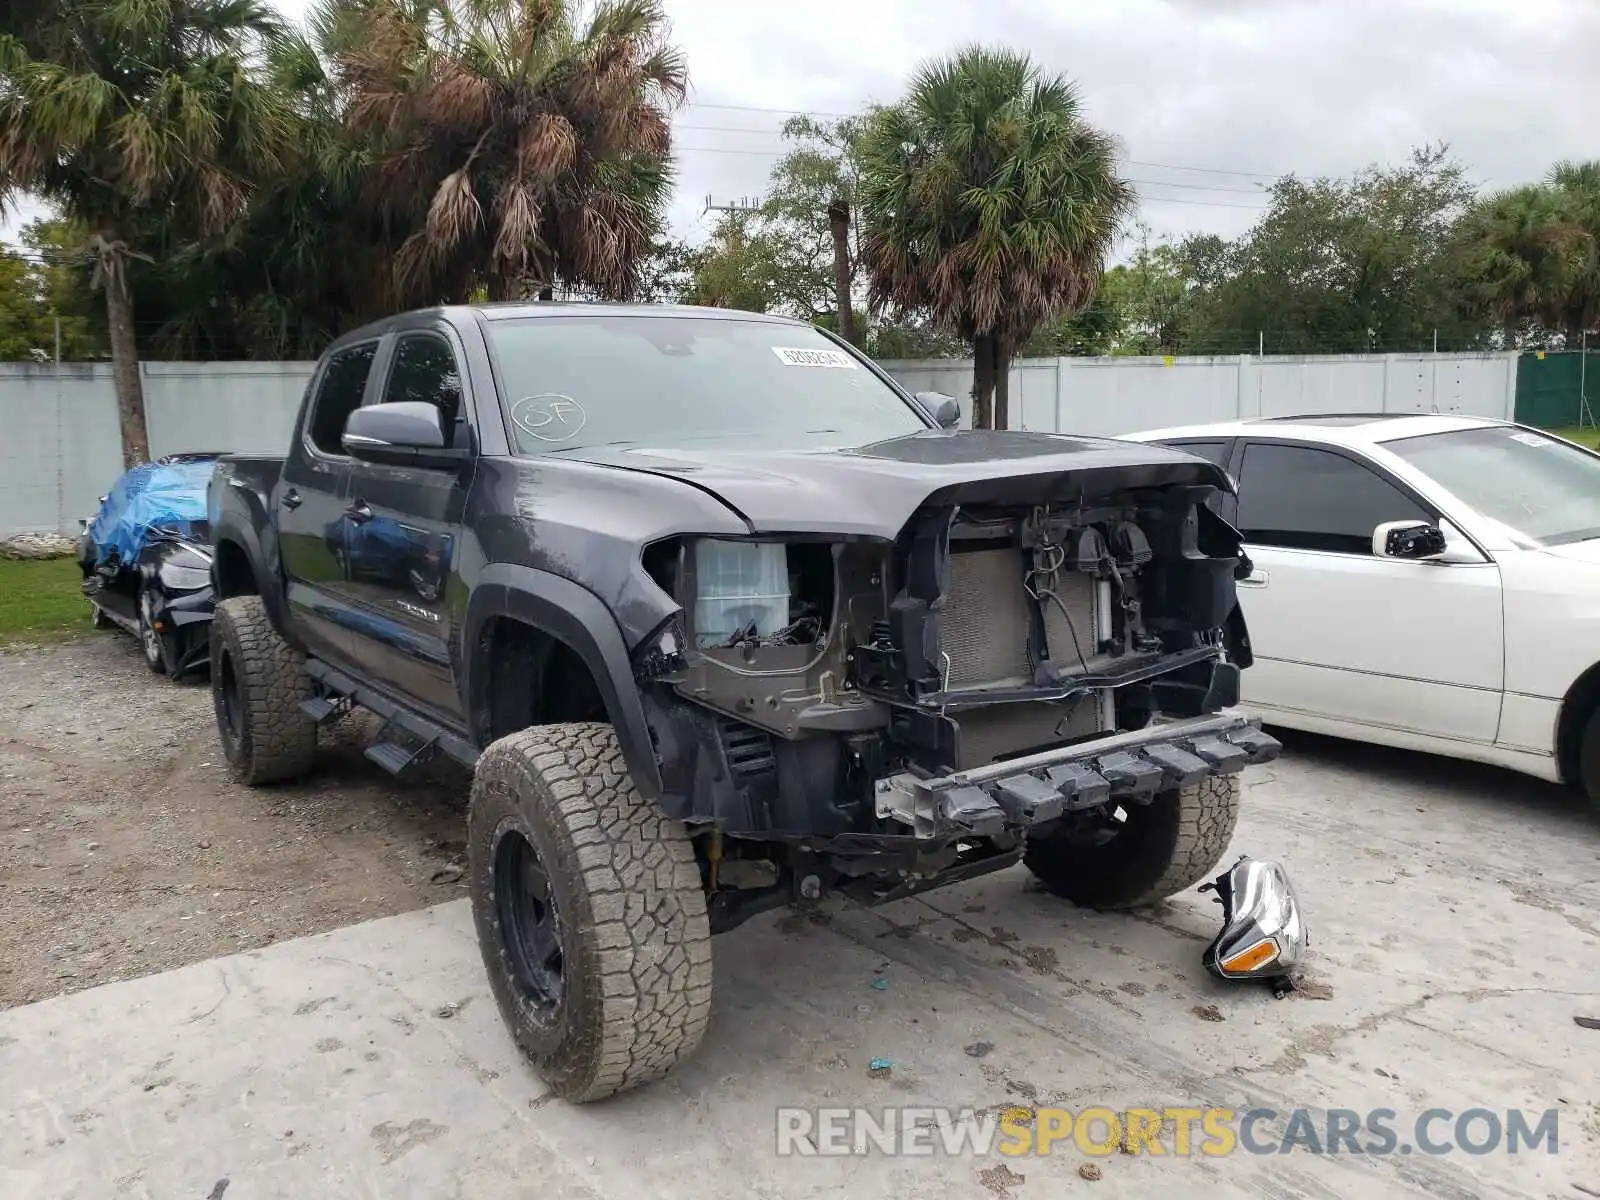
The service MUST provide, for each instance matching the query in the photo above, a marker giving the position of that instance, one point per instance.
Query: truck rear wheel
(589, 910)
(257, 683)
(1160, 849)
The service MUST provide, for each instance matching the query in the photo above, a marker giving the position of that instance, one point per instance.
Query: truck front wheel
(257, 683)
(589, 911)
(1157, 850)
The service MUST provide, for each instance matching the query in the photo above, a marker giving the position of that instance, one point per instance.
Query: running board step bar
(397, 759)
(408, 738)
(325, 710)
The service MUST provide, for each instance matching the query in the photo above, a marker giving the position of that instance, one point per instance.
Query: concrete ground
(1455, 937)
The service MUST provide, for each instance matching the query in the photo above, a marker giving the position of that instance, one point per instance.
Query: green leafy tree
(131, 114)
(740, 267)
(988, 204)
(21, 331)
(795, 253)
(64, 302)
(1341, 266)
(667, 271)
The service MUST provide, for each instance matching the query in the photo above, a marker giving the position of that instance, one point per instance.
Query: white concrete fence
(60, 445)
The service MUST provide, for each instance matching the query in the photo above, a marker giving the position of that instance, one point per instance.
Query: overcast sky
(1209, 99)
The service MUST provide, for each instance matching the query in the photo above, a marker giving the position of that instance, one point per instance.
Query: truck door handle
(291, 499)
(1256, 579)
(359, 512)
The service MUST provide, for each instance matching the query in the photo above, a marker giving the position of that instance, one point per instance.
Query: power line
(1207, 203)
(1139, 162)
(799, 112)
(1202, 187)
(791, 112)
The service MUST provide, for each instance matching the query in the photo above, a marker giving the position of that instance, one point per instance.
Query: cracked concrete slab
(1451, 911)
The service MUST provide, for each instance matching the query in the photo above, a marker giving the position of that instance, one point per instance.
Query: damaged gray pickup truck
(724, 619)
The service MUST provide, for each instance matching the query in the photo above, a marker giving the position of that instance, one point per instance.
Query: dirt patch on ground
(126, 849)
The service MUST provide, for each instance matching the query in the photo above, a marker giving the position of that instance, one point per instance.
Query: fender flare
(231, 527)
(580, 620)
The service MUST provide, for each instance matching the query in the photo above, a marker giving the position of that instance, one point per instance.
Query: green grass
(41, 599)
(1587, 436)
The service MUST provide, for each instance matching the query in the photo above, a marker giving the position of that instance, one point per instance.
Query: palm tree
(1531, 255)
(522, 143)
(989, 204)
(307, 261)
(128, 114)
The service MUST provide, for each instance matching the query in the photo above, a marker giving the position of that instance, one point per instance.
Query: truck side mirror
(943, 409)
(406, 433)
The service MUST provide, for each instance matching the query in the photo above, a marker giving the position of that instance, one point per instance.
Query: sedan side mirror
(1414, 540)
(407, 433)
(943, 409)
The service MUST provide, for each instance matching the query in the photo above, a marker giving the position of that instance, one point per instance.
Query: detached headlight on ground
(1263, 935)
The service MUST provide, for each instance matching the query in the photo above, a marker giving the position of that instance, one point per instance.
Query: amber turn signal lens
(1251, 958)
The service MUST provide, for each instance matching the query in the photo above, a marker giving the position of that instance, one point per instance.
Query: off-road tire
(266, 739)
(1166, 846)
(635, 940)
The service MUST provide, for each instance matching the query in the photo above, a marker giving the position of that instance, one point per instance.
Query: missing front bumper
(1134, 766)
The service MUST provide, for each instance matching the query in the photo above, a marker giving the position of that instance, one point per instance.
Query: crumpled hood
(872, 491)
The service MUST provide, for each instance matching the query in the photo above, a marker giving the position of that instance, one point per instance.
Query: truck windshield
(666, 382)
(1536, 486)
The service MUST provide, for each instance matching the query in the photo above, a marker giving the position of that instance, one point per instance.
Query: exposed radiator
(984, 629)
(986, 620)
(984, 626)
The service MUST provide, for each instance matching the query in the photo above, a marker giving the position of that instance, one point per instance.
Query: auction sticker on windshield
(793, 357)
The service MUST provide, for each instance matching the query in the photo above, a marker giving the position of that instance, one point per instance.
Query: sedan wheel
(149, 638)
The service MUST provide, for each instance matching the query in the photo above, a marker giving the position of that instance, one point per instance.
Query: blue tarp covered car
(146, 560)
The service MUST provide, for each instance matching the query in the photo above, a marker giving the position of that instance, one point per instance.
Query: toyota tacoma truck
(723, 618)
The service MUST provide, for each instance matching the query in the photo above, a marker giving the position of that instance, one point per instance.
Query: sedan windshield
(1541, 488)
(666, 382)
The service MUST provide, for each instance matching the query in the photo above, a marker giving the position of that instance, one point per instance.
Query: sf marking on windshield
(1175, 1131)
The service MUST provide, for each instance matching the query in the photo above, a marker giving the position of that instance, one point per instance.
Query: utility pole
(743, 204)
(58, 341)
(1261, 343)
(839, 226)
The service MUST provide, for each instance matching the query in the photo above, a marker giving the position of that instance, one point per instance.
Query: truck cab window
(425, 370)
(1310, 499)
(339, 395)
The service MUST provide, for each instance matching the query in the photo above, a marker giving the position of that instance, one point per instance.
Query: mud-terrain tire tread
(280, 741)
(1186, 833)
(632, 909)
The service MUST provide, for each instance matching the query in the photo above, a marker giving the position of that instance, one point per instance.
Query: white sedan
(1430, 582)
